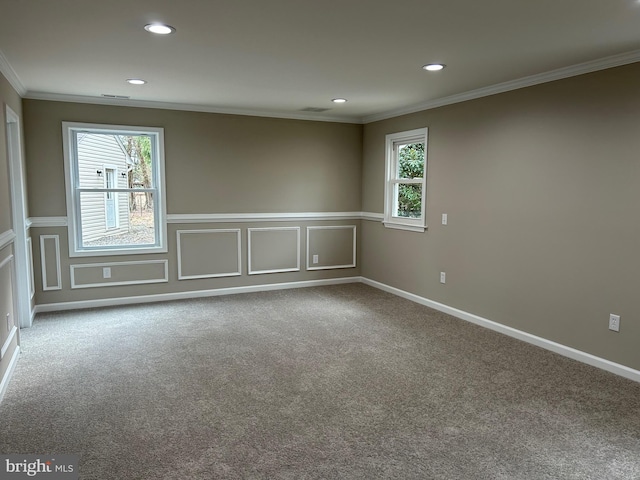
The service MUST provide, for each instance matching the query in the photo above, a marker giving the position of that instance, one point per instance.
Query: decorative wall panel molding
(109, 274)
(273, 250)
(50, 247)
(6, 238)
(209, 253)
(331, 247)
(32, 283)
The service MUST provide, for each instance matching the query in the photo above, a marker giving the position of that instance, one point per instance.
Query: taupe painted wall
(214, 164)
(8, 96)
(542, 189)
(540, 185)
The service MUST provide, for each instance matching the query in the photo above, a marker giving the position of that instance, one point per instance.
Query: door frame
(18, 192)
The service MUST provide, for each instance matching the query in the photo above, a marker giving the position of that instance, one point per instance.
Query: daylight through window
(115, 186)
(405, 187)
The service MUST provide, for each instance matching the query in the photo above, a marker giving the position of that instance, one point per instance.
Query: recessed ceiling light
(136, 81)
(434, 67)
(339, 100)
(159, 28)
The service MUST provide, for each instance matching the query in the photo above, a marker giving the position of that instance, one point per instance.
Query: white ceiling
(276, 57)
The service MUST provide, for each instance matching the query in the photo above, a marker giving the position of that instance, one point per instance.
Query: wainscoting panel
(273, 250)
(6, 238)
(32, 283)
(90, 275)
(50, 262)
(209, 253)
(330, 247)
(7, 321)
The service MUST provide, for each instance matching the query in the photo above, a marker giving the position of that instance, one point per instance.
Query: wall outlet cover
(614, 322)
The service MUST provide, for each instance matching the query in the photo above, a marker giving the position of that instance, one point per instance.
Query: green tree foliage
(410, 165)
(139, 149)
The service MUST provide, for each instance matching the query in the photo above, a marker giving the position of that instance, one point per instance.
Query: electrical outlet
(614, 322)
(106, 272)
(445, 218)
(443, 277)
(315, 259)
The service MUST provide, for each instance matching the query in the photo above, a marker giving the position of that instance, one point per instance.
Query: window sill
(404, 226)
(108, 252)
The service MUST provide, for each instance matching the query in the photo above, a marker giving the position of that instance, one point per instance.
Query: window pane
(141, 157)
(408, 200)
(102, 161)
(410, 160)
(117, 219)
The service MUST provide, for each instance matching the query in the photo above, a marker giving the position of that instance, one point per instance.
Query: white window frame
(73, 190)
(391, 180)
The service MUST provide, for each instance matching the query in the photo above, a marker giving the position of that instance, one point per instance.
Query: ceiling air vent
(119, 97)
(314, 109)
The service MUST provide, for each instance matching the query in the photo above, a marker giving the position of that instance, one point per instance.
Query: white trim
(280, 270)
(38, 222)
(73, 190)
(43, 262)
(260, 217)
(8, 341)
(30, 273)
(392, 160)
(563, 350)
(165, 297)
(187, 107)
(5, 261)
(18, 192)
(558, 74)
(403, 226)
(73, 268)
(4, 384)
(209, 275)
(6, 238)
(569, 352)
(332, 227)
(10, 74)
(41, 222)
(376, 217)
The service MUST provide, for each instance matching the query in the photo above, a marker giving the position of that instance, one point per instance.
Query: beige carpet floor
(340, 382)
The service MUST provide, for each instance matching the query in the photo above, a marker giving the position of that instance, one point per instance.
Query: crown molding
(531, 80)
(10, 74)
(188, 107)
(558, 74)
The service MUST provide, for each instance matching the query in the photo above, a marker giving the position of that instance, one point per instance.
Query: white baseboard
(4, 384)
(572, 353)
(564, 350)
(164, 297)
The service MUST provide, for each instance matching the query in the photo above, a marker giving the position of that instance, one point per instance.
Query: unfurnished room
(288, 239)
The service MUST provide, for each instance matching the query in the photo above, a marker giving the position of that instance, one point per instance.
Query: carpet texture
(339, 382)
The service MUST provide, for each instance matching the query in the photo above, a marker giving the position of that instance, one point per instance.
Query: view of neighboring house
(103, 163)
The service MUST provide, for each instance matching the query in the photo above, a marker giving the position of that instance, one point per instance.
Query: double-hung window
(406, 174)
(115, 189)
